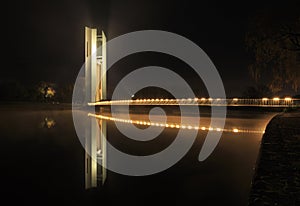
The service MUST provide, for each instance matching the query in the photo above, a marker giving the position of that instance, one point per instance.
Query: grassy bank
(277, 176)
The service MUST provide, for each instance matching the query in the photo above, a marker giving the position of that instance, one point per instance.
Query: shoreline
(277, 174)
(34, 106)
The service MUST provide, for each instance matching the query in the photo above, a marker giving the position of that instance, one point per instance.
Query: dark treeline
(12, 91)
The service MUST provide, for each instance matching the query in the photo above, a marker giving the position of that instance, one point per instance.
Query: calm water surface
(43, 161)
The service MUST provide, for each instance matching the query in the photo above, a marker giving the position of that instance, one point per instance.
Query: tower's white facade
(95, 65)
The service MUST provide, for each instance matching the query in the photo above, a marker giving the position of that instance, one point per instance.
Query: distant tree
(275, 44)
(65, 93)
(45, 91)
(13, 91)
(257, 92)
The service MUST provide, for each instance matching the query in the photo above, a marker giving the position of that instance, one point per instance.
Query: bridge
(263, 102)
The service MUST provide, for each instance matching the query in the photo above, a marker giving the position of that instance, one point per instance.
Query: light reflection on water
(224, 178)
(48, 122)
(51, 163)
(177, 125)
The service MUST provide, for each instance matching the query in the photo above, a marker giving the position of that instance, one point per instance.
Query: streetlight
(288, 99)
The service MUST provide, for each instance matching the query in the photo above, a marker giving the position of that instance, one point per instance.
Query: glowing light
(203, 99)
(276, 98)
(171, 125)
(288, 99)
(50, 92)
(48, 122)
(235, 99)
(235, 130)
(195, 99)
(265, 99)
(210, 99)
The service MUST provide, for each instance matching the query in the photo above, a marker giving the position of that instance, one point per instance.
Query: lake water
(44, 161)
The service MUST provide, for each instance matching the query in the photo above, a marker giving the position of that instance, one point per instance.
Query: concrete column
(91, 71)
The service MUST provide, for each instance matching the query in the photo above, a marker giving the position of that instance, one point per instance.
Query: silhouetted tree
(45, 91)
(257, 92)
(275, 43)
(13, 91)
(64, 93)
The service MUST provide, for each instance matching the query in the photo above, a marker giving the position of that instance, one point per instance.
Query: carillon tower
(95, 65)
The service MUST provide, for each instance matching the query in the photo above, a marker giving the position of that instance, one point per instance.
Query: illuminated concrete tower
(95, 65)
(95, 84)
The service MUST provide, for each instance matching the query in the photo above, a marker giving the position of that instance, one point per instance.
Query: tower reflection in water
(96, 137)
(95, 152)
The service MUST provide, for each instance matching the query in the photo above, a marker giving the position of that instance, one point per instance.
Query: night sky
(45, 39)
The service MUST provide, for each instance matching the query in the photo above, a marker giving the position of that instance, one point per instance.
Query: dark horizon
(49, 43)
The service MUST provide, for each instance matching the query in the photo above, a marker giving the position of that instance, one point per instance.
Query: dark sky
(44, 40)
